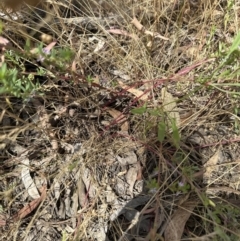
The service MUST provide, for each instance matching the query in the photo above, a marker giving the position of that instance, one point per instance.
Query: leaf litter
(96, 173)
(175, 227)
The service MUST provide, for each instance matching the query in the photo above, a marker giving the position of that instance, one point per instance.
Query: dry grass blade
(175, 228)
(140, 27)
(122, 32)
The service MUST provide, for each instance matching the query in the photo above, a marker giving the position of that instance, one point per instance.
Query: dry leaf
(100, 43)
(2, 219)
(122, 173)
(31, 206)
(216, 13)
(140, 94)
(69, 229)
(56, 188)
(67, 202)
(131, 177)
(170, 107)
(129, 159)
(175, 227)
(111, 196)
(54, 144)
(118, 116)
(82, 195)
(192, 52)
(121, 74)
(210, 166)
(87, 180)
(74, 206)
(99, 46)
(61, 210)
(27, 179)
(2, 222)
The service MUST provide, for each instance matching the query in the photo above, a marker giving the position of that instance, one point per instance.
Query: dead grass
(98, 142)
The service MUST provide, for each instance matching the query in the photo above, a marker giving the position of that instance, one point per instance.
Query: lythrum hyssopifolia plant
(166, 126)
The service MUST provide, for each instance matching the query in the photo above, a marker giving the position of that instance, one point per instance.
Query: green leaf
(2, 90)
(89, 79)
(64, 235)
(235, 44)
(154, 112)
(1, 27)
(161, 131)
(233, 52)
(140, 110)
(3, 70)
(152, 184)
(27, 46)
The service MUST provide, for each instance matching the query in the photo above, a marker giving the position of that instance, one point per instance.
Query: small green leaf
(140, 110)
(152, 184)
(233, 52)
(3, 70)
(154, 112)
(89, 79)
(64, 235)
(1, 27)
(2, 90)
(235, 44)
(161, 131)
(27, 46)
